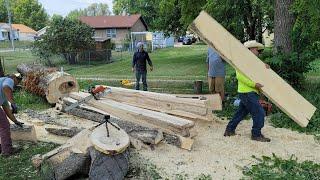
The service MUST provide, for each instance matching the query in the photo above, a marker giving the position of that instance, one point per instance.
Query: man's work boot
(260, 138)
(229, 133)
(15, 150)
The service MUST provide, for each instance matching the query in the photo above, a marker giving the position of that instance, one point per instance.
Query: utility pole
(9, 19)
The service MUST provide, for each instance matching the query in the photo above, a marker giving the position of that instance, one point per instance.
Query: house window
(111, 33)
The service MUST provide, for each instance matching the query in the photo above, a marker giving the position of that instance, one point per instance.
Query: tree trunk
(79, 157)
(1, 67)
(47, 82)
(284, 21)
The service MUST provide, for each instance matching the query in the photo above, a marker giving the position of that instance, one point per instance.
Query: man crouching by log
(6, 96)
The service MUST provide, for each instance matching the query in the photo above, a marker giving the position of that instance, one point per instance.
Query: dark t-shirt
(139, 61)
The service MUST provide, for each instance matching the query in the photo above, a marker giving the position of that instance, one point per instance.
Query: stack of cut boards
(153, 111)
(194, 107)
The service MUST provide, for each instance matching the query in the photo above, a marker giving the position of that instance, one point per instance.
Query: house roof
(112, 21)
(23, 28)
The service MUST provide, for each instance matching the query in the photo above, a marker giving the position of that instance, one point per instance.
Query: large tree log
(47, 82)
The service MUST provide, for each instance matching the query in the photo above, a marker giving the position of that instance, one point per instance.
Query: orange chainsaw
(96, 92)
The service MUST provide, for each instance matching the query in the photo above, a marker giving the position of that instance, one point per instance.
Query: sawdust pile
(224, 157)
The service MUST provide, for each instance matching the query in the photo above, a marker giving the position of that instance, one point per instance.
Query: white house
(4, 31)
(24, 33)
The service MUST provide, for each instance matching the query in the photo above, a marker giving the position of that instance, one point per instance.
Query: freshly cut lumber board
(146, 117)
(167, 103)
(232, 50)
(26, 133)
(117, 142)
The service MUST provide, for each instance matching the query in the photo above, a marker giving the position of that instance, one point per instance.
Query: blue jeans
(143, 75)
(249, 104)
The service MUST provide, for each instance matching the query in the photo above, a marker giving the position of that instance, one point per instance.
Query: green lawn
(17, 44)
(12, 59)
(185, 63)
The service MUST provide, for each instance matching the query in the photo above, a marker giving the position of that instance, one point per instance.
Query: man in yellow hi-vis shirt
(249, 101)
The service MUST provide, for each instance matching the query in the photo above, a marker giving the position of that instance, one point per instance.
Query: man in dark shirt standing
(139, 64)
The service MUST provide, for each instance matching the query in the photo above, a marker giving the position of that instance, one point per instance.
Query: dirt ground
(212, 153)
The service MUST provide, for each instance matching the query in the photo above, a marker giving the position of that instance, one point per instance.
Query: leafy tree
(3, 10)
(147, 8)
(253, 16)
(169, 18)
(64, 36)
(297, 39)
(95, 9)
(30, 13)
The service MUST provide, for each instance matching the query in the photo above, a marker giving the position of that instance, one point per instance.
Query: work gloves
(18, 123)
(14, 108)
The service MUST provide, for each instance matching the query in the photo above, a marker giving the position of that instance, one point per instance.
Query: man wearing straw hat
(139, 64)
(249, 101)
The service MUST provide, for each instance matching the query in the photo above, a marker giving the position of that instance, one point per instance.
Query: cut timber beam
(238, 56)
(194, 108)
(145, 117)
(26, 133)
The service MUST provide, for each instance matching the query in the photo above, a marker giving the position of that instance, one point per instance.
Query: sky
(63, 7)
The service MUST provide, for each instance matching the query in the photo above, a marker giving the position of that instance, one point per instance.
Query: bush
(312, 95)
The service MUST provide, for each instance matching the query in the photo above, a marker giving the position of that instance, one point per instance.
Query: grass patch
(26, 100)
(278, 168)
(12, 59)
(17, 44)
(19, 166)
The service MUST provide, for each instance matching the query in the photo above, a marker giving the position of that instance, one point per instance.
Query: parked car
(180, 39)
(193, 39)
(187, 41)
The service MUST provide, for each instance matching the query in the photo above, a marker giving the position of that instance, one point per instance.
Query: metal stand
(106, 120)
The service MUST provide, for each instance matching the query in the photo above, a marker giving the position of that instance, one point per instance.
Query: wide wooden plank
(143, 116)
(232, 50)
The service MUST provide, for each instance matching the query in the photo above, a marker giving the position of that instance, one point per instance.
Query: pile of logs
(47, 82)
(148, 117)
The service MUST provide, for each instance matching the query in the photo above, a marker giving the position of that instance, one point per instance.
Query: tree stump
(197, 87)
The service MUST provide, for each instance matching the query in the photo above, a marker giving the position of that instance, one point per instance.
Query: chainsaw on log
(96, 92)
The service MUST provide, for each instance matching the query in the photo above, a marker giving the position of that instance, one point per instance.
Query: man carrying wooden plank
(6, 95)
(248, 93)
(139, 64)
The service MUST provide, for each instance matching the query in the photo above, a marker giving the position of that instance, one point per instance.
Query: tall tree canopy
(27, 12)
(174, 16)
(95, 9)
(30, 13)
(148, 8)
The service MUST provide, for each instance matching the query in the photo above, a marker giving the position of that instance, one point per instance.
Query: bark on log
(47, 82)
(68, 132)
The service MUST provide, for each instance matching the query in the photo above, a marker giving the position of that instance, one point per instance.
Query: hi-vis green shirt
(245, 85)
